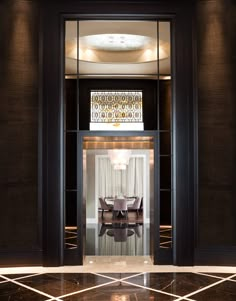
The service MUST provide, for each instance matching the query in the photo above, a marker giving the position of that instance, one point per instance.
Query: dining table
(121, 211)
(110, 200)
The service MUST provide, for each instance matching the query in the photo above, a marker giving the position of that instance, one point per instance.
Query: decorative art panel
(116, 106)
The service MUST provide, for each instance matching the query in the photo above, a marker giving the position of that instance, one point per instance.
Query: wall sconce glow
(149, 55)
(119, 158)
(166, 77)
(163, 52)
(116, 42)
(148, 52)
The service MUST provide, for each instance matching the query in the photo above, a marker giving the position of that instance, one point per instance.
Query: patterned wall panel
(116, 106)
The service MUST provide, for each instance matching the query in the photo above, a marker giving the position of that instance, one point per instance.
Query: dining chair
(120, 205)
(105, 206)
(136, 205)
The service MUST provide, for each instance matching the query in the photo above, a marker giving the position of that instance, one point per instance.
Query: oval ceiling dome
(116, 42)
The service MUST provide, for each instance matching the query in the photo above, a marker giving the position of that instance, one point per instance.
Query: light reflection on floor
(117, 239)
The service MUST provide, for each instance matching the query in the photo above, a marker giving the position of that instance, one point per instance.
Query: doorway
(118, 91)
(62, 120)
(144, 231)
(130, 185)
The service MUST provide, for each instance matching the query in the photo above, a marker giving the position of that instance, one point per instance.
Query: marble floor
(116, 282)
(118, 236)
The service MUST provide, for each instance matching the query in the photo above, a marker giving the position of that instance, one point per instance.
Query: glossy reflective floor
(119, 236)
(118, 286)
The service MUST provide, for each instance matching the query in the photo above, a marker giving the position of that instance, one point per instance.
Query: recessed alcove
(118, 82)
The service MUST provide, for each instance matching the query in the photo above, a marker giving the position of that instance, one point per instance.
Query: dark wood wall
(216, 48)
(19, 53)
(19, 149)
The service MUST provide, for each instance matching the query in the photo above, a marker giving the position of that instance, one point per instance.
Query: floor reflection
(117, 238)
(70, 237)
(165, 237)
(120, 231)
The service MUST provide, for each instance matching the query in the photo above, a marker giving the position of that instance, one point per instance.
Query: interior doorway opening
(118, 197)
(112, 94)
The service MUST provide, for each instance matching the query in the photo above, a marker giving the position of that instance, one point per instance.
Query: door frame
(183, 118)
(81, 202)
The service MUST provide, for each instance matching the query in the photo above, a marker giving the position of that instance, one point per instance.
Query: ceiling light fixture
(119, 158)
(116, 42)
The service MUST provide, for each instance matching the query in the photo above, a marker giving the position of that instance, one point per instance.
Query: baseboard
(220, 256)
(23, 258)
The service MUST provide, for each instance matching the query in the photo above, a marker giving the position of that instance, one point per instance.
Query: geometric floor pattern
(118, 286)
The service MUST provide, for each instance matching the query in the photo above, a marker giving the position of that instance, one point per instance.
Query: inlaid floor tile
(61, 284)
(21, 276)
(220, 275)
(12, 292)
(119, 292)
(118, 276)
(225, 291)
(179, 284)
(2, 279)
(118, 287)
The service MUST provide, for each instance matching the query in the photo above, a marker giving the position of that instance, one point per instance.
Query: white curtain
(134, 177)
(127, 182)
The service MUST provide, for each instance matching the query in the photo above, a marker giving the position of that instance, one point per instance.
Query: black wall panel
(71, 104)
(19, 32)
(216, 48)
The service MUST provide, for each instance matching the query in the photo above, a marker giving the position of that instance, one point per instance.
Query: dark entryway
(170, 132)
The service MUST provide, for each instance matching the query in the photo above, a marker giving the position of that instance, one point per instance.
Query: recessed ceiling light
(116, 42)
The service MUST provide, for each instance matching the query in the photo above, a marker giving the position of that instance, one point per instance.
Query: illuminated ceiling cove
(118, 48)
(116, 42)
